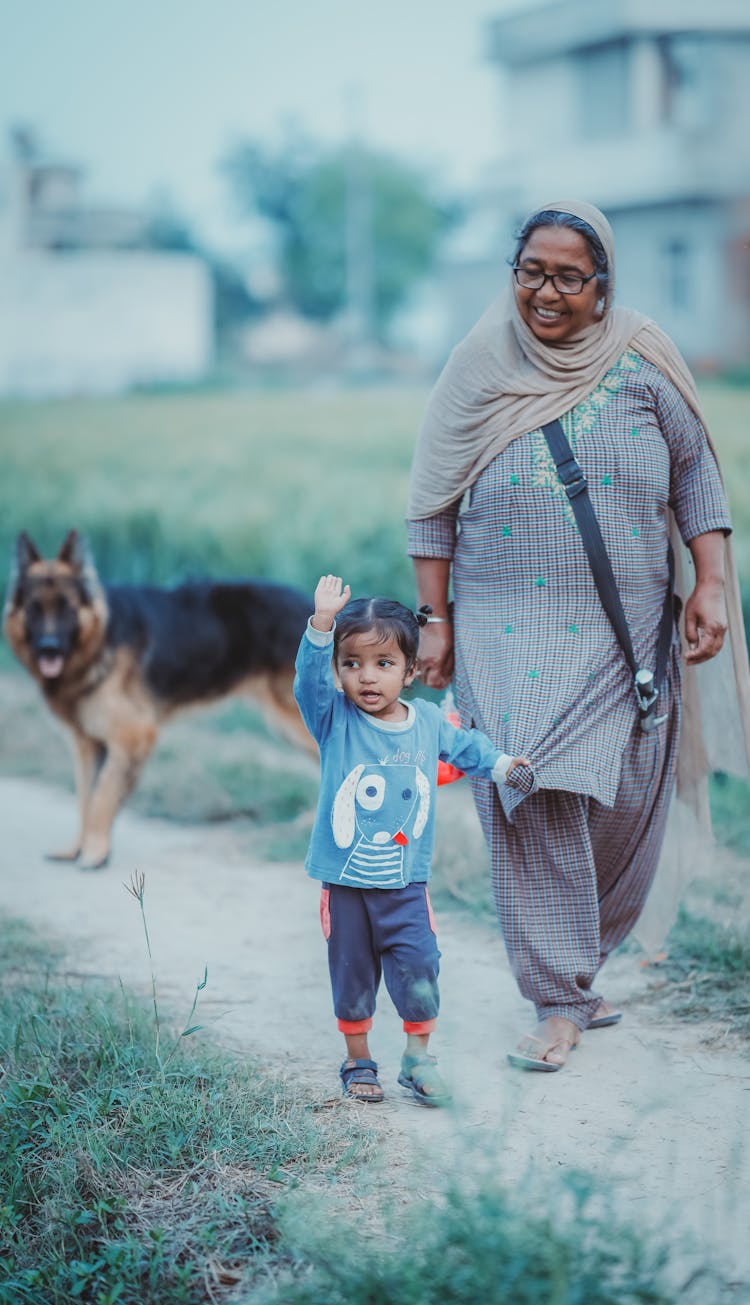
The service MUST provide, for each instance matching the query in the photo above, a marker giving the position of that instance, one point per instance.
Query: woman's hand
(705, 621)
(435, 658)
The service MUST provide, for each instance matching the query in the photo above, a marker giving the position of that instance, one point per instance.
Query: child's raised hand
(330, 596)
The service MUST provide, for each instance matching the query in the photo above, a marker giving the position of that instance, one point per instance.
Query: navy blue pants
(381, 931)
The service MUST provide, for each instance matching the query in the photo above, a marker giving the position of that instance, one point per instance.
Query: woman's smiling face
(554, 317)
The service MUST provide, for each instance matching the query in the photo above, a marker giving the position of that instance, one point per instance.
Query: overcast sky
(149, 95)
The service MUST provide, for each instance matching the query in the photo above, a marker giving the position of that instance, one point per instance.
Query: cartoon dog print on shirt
(381, 807)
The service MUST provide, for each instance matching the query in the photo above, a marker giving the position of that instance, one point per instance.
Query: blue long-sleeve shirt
(375, 822)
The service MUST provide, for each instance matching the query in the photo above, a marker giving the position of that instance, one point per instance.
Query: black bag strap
(576, 487)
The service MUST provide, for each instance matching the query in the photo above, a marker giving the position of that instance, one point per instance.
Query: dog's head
(55, 610)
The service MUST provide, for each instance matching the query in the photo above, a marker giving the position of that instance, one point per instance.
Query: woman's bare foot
(550, 1044)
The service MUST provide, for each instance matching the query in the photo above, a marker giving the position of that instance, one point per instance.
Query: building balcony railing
(658, 166)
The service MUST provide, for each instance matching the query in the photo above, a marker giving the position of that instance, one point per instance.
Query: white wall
(697, 320)
(540, 108)
(83, 322)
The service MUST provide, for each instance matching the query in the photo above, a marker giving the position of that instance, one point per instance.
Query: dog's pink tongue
(50, 667)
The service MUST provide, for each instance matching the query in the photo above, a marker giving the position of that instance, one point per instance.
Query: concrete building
(87, 306)
(643, 108)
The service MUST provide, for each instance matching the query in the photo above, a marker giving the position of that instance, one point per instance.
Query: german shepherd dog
(115, 661)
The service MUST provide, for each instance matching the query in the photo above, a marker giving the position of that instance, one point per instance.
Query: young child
(372, 841)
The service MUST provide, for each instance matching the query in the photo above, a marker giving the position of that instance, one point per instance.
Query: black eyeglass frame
(550, 276)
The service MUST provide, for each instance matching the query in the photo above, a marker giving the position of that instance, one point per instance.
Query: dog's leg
(126, 754)
(281, 706)
(88, 756)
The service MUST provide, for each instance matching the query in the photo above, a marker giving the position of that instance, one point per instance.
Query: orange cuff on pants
(420, 1026)
(355, 1026)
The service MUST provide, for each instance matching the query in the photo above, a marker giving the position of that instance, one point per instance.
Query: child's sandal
(361, 1071)
(419, 1075)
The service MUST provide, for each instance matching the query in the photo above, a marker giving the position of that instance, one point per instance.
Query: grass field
(235, 484)
(282, 485)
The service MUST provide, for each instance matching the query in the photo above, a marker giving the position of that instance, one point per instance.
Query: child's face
(372, 673)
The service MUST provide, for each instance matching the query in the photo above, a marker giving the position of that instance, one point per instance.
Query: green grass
(707, 974)
(280, 485)
(730, 811)
(728, 414)
(561, 1247)
(127, 1176)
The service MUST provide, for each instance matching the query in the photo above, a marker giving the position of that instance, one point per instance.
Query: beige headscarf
(501, 382)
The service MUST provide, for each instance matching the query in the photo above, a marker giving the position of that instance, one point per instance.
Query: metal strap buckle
(576, 487)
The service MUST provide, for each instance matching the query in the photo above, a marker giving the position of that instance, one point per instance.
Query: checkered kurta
(540, 671)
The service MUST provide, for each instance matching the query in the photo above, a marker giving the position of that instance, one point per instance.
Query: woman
(575, 838)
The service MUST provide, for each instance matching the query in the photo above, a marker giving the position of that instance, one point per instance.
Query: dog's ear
(73, 551)
(26, 552)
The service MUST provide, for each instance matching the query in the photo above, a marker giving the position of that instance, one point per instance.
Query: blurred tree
(169, 231)
(313, 198)
(234, 304)
(166, 227)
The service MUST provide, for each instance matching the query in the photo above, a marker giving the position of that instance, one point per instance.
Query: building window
(678, 273)
(688, 82)
(603, 89)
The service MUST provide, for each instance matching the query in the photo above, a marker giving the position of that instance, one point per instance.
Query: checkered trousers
(571, 876)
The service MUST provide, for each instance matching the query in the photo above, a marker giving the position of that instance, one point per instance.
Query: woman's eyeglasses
(565, 283)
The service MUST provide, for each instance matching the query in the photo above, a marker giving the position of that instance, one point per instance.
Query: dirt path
(643, 1105)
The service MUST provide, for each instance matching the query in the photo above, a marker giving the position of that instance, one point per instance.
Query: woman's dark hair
(387, 618)
(549, 217)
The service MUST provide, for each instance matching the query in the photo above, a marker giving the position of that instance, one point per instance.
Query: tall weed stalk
(137, 889)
